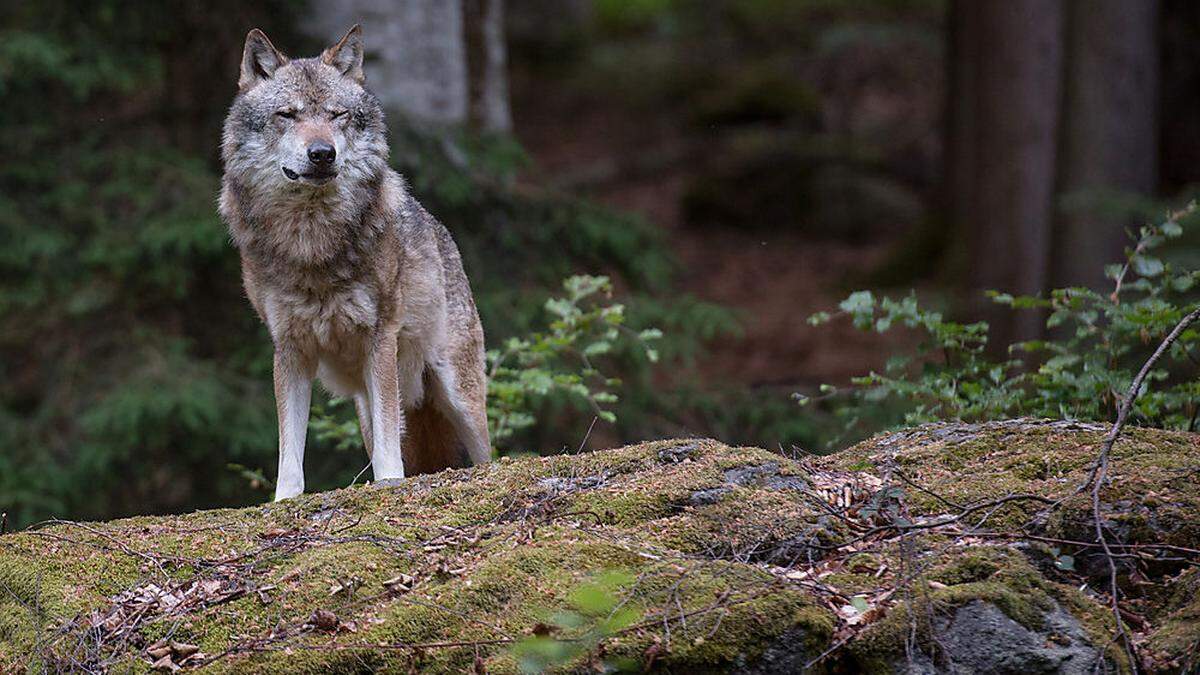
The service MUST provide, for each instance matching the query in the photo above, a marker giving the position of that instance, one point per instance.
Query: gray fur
(349, 272)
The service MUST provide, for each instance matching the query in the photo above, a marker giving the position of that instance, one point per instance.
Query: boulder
(911, 552)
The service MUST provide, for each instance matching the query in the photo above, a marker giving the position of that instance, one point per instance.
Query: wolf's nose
(321, 153)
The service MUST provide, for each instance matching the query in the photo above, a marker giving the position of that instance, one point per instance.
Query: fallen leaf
(165, 663)
(324, 619)
(158, 650)
(402, 582)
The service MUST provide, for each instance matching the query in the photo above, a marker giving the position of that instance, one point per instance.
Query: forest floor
(669, 556)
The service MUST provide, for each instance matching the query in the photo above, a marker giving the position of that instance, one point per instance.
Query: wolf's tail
(440, 432)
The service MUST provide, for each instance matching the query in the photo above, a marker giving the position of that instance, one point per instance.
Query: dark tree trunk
(962, 117)
(488, 61)
(1110, 142)
(1008, 119)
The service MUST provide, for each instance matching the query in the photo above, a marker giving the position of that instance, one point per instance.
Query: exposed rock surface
(902, 554)
(980, 638)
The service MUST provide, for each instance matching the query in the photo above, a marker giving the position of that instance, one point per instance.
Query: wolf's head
(303, 129)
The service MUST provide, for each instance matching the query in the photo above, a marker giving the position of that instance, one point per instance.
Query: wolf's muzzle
(319, 177)
(321, 154)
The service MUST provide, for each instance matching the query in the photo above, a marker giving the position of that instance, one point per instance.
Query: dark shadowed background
(733, 165)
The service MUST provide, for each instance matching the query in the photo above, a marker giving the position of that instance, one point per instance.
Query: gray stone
(766, 475)
(980, 638)
(786, 655)
(677, 453)
(709, 496)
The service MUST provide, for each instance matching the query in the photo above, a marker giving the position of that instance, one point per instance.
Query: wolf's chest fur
(322, 321)
(330, 327)
(315, 281)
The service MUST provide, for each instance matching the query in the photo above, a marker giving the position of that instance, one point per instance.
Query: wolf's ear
(347, 55)
(260, 60)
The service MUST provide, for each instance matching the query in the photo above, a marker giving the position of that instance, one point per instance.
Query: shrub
(1096, 343)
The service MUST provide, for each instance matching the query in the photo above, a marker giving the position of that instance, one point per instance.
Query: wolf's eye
(286, 114)
(338, 113)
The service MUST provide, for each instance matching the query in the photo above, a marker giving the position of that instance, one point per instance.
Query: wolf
(358, 285)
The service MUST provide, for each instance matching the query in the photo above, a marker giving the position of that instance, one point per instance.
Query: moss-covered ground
(682, 556)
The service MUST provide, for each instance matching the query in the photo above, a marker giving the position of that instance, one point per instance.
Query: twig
(587, 435)
(1135, 388)
(1084, 544)
(1099, 474)
(359, 474)
(117, 545)
(931, 493)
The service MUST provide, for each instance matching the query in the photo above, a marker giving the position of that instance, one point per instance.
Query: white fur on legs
(387, 416)
(293, 392)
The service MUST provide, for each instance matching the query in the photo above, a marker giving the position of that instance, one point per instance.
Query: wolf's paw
(287, 491)
(388, 482)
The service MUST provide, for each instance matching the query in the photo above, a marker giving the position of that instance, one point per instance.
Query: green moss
(1178, 632)
(493, 552)
(967, 464)
(863, 563)
(709, 549)
(1001, 577)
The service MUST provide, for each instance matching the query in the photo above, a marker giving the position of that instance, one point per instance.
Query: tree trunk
(960, 161)
(1109, 133)
(488, 63)
(416, 56)
(1012, 91)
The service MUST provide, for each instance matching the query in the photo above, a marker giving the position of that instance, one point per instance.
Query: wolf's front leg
(362, 408)
(293, 392)
(386, 413)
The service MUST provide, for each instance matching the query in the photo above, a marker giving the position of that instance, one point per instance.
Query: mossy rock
(1152, 495)
(674, 556)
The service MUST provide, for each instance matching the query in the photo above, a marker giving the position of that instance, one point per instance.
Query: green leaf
(597, 348)
(858, 302)
(1147, 266)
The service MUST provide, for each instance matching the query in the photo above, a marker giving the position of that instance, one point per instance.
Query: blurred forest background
(732, 165)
